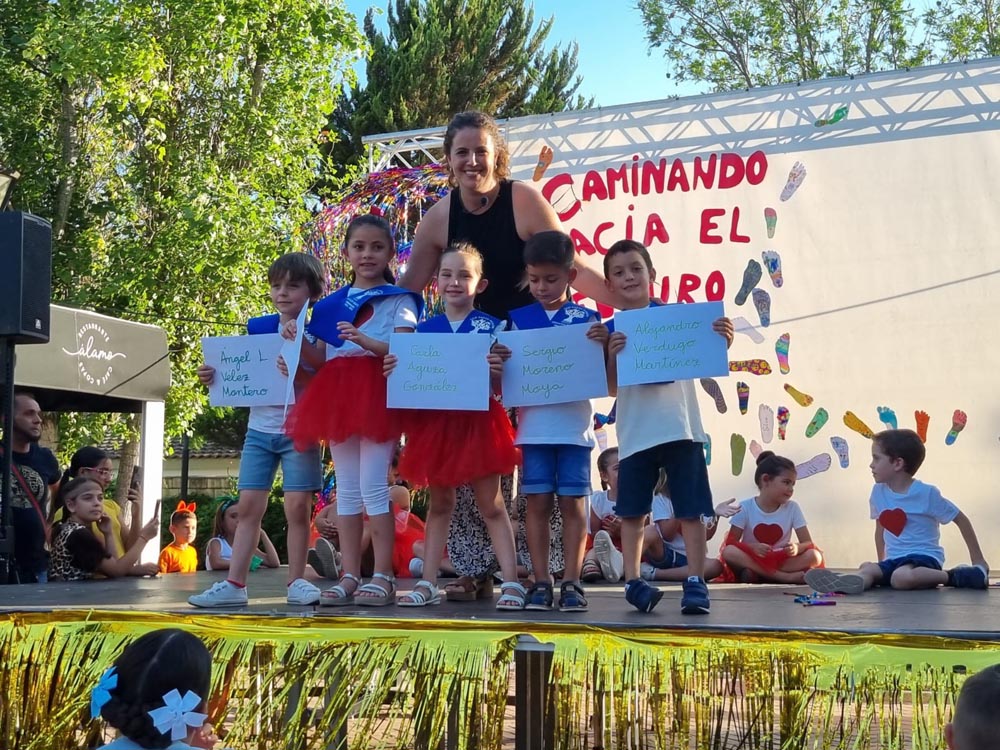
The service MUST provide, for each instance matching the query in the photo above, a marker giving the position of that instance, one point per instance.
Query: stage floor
(736, 608)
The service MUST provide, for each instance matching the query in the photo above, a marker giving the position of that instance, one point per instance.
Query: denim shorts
(562, 469)
(888, 567)
(301, 471)
(687, 480)
(671, 559)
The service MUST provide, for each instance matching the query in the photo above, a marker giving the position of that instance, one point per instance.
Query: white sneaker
(647, 571)
(417, 567)
(222, 594)
(302, 593)
(611, 561)
(329, 558)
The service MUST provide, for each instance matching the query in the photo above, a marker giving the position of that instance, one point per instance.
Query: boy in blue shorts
(908, 515)
(659, 427)
(296, 280)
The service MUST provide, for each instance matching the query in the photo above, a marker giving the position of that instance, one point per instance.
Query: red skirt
(409, 531)
(452, 448)
(771, 562)
(346, 398)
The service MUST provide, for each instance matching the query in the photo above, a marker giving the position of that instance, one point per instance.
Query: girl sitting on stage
(345, 403)
(156, 694)
(219, 550)
(446, 449)
(77, 553)
(759, 548)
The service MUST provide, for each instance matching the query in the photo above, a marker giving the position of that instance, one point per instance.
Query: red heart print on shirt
(364, 314)
(768, 533)
(893, 521)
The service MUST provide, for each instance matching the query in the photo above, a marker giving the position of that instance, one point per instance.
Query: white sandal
(512, 596)
(337, 595)
(424, 594)
(380, 596)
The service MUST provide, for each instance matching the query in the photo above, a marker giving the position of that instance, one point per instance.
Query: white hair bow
(177, 714)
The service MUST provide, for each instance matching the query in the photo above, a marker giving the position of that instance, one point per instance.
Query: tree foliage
(966, 29)
(171, 143)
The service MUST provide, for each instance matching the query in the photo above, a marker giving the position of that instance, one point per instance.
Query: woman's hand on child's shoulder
(206, 374)
(728, 508)
(598, 332)
(724, 327)
(616, 342)
(389, 363)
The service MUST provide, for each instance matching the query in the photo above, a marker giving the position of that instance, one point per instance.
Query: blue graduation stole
(263, 324)
(341, 306)
(475, 322)
(534, 316)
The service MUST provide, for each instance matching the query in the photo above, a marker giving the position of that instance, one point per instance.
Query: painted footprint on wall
(712, 388)
(853, 421)
(817, 422)
(751, 276)
(842, 450)
(738, 444)
(958, 422)
(743, 396)
(756, 449)
(783, 416)
(762, 303)
(766, 415)
(781, 349)
(923, 419)
(753, 366)
(813, 466)
(838, 114)
(802, 399)
(544, 159)
(770, 221)
(772, 262)
(795, 177)
(744, 326)
(707, 445)
(888, 417)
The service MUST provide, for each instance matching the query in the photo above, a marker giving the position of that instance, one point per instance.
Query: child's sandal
(376, 595)
(512, 596)
(424, 594)
(337, 595)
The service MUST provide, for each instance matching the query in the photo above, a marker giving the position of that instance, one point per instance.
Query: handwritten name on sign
(671, 342)
(246, 370)
(440, 371)
(552, 366)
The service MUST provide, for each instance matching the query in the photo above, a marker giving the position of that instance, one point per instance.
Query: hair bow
(177, 714)
(101, 693)
(181, 505)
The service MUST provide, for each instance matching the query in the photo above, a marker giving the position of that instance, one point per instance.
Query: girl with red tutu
(759, 548)
(345, 403)
(446, 449)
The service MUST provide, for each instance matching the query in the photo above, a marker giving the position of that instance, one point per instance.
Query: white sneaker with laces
(329, 558)
(302, 593)
(221, 594)
(647, 571)
(611, 561)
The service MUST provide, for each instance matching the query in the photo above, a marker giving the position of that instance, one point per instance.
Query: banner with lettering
(246, 370)
(552, 366)
(444, 371)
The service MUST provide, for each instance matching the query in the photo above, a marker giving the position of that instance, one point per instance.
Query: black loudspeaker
(25, 278)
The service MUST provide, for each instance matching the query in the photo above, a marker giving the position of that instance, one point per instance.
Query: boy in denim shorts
(659, 427)
(296, 280)
(908, 515)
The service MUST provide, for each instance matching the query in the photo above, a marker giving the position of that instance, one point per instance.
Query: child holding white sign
(659, 427)
(447, 449)
(555, 439)
(296, 280)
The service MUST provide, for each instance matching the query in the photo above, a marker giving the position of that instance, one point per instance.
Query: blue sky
(613, 59)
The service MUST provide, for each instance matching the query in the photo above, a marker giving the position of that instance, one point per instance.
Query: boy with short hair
(180, 556)
(975, 725)
(659, 427)
(908, 515)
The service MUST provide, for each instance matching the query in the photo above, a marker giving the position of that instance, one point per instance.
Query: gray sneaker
(329, 559)
(828, 582)
(222, 594)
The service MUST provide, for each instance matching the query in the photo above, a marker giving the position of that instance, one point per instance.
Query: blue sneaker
(968, 577)
(641, 595)
(571, 598)
(539, 598)
(694, 600)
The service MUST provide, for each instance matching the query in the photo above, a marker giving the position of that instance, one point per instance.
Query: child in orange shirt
(180, 556)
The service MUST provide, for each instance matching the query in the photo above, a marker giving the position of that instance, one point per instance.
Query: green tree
(172, 144)
(733, 44)
(440, 57)
(965, 29)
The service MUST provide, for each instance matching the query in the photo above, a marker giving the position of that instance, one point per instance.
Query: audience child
(296, 280)
(908, 515)
(447, 449)
(180, 556)
(219, 550)
(556, 440)
(759, 547)
(77, 553)
(156, 694)
(975, 725)
(604, 559)
(345, 404)
(658, 426)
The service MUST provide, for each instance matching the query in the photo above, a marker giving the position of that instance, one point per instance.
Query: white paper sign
(291, 350)
(671, 342)
(440, 371)
(552, 366)
(246, 370)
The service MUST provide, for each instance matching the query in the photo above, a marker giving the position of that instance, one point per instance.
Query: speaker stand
(8, 568)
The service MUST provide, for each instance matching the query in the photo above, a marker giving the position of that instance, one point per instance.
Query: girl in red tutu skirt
(345, 403)
(759, 548)
(446, 449)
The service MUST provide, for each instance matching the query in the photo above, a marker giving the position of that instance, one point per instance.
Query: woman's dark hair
(371, 220)
(479, 121)
(604, 462)
(226, 504)
(147, 669)
(772, 465)
(65, 490)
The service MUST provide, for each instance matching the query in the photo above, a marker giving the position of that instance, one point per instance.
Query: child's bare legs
(350, 528)
(632, 534)
(439, 512)
(491, 506)
(652, 543)
(297, 509)
(536, 531)
(574, 517)
(907, 577)
(251, 506)
(695, 545)
(383, 531)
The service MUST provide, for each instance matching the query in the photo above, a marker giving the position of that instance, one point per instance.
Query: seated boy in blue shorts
(908, 515)
(659, 427)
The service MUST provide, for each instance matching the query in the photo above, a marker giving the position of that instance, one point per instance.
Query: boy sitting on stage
(975, 725)
(908, 515)
(180, 556)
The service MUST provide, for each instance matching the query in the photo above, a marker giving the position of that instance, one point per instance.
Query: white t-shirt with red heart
(773, 529)
(912, 520)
